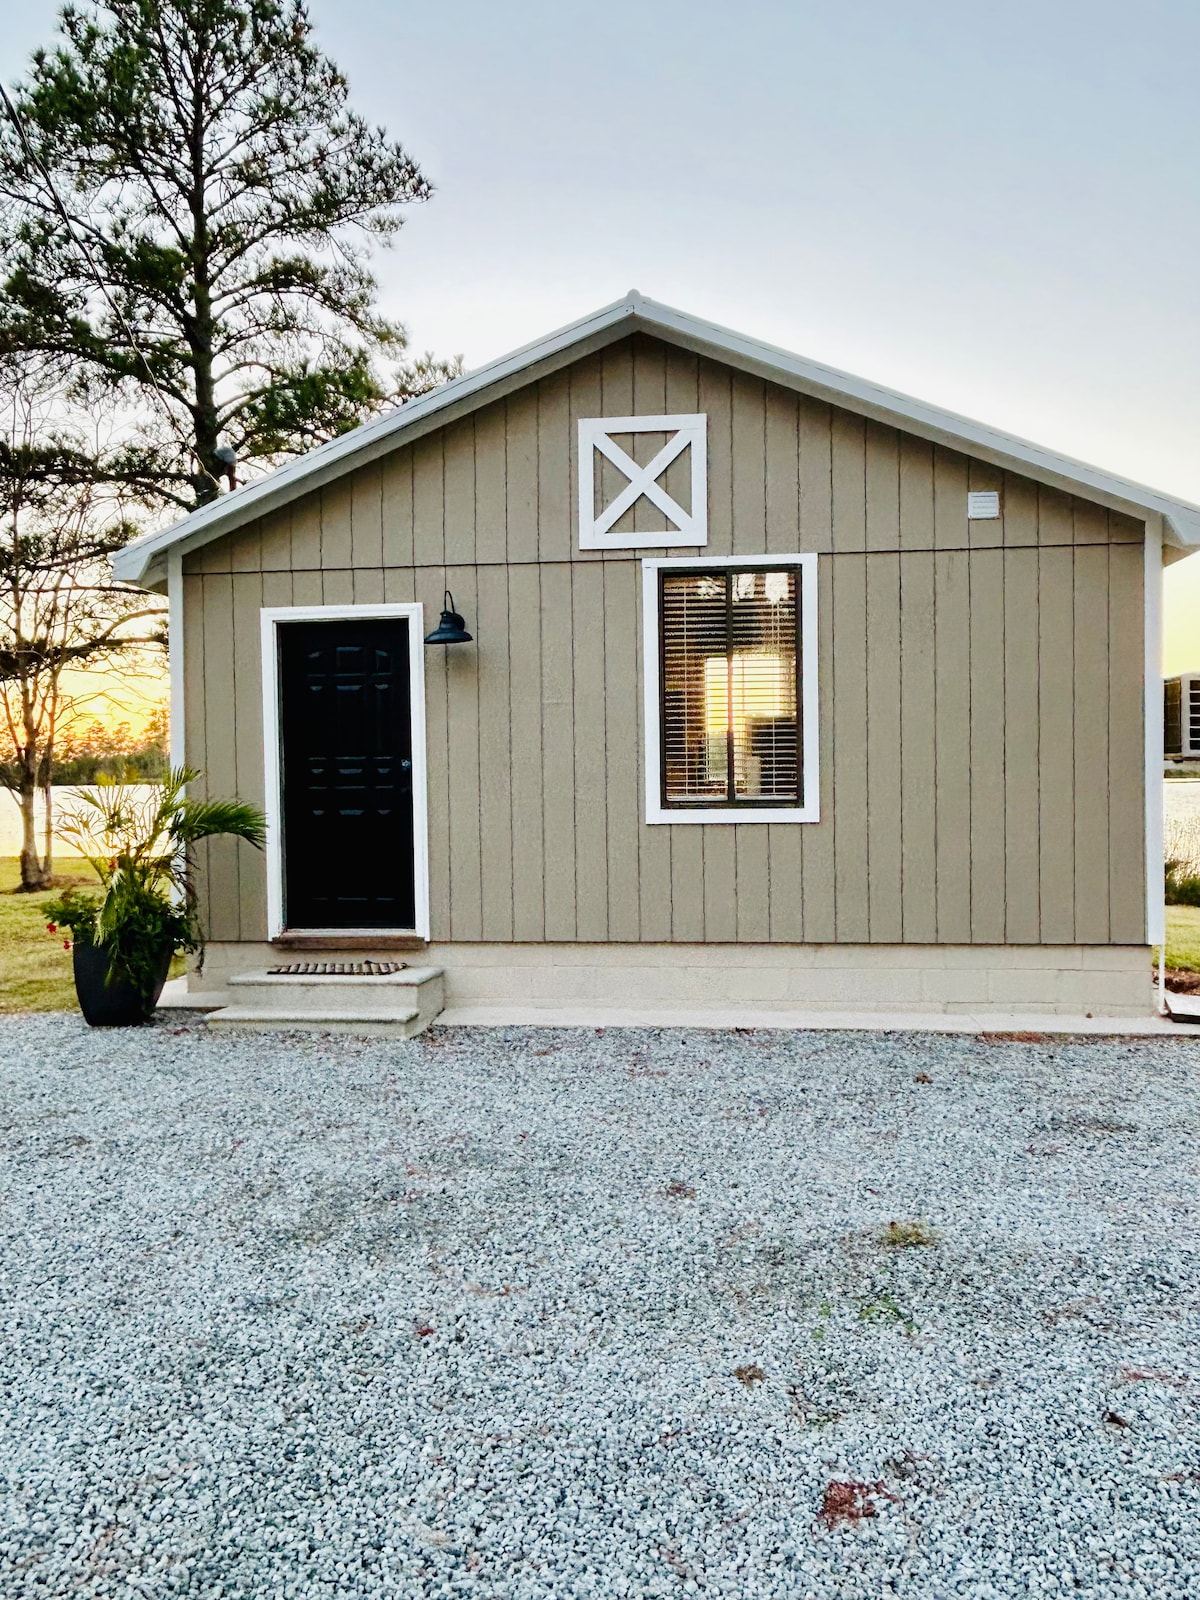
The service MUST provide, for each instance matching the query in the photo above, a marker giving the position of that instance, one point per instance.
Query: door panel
(346, 733)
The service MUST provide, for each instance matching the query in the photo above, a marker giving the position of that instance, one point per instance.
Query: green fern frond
(206, 819)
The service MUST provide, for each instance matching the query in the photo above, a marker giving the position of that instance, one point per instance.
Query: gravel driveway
(597, 1313)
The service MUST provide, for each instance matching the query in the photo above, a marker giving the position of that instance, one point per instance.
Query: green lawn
(1183, 937)
(35, 970)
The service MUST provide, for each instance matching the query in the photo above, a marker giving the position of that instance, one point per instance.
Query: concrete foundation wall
(1103, 980)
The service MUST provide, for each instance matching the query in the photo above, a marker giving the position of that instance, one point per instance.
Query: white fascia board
(1183, 520)
(139, 561)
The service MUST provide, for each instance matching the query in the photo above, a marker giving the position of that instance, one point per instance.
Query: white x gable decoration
(595, 434)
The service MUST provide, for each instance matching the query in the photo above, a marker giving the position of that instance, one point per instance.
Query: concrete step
(1183, 1007)
(408, 1000)
(403, 1021)
(176, 996)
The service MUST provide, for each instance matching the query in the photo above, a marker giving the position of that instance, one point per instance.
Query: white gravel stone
(287, 1316)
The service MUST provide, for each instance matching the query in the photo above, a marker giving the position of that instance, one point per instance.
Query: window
(733, 644)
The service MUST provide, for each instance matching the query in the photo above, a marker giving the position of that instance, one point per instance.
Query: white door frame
(271, 616)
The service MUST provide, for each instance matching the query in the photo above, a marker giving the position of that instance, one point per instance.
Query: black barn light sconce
(451, 629)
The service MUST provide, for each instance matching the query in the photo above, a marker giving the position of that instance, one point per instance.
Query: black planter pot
(118, 1004)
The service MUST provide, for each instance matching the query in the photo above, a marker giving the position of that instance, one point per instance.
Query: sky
(992, 207)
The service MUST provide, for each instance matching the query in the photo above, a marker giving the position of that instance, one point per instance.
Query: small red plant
(845, 1501)
(678, 1190)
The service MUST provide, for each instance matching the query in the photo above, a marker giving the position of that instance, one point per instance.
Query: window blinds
(729, 691)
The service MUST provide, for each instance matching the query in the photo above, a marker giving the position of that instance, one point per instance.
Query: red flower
(52, 927)
(66, 944)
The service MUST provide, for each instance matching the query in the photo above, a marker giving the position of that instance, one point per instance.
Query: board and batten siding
(980, 682)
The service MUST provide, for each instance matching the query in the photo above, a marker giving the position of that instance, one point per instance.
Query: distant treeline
(98, 750)
(147, 765)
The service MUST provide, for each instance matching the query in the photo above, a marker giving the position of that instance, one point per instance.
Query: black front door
(346, 731)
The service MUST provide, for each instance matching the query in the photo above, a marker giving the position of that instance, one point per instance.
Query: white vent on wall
(982, 504)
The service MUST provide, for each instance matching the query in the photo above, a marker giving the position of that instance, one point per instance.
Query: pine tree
(211, 270)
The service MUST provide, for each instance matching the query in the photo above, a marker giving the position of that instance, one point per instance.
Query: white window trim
(270, 618)
(810, 811)
(595, 434)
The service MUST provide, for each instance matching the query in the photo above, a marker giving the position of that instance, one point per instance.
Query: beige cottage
(783, 692)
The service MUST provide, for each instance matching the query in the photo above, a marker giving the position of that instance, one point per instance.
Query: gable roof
(144, 560)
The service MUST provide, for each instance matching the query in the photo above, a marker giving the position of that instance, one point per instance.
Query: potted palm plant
(141, 850)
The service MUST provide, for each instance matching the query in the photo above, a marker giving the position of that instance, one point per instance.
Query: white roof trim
(141, 561)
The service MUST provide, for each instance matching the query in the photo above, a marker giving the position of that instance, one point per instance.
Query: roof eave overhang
(1013, 454)
(145, 560)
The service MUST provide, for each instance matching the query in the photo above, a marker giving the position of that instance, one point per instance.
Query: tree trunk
(48, 829)
(200, 328)
(35, 872)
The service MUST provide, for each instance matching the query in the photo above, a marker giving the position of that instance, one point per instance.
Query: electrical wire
(85, 250)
